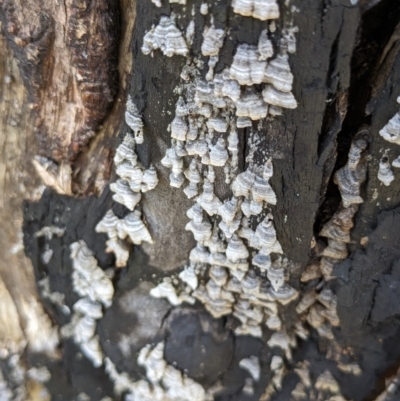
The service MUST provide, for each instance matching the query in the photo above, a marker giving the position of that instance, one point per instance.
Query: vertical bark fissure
(364, 61)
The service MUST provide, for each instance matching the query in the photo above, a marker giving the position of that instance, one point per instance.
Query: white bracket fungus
(246, 67)
(391, 131)
(213, 41)
(95, 288)
(385, 173)
(166, 37)
(350, 177)
(88, 279)
(252, 365)
(396, 162)
(134, 120)
(265, 48)
(260, 9)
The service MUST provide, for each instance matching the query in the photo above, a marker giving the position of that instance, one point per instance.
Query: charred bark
(87, 62)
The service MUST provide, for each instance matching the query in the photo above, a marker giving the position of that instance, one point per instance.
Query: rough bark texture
(347, 74)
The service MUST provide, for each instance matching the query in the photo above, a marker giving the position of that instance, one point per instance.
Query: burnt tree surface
(346, 75)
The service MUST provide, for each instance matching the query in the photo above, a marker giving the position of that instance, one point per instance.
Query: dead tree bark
(68, 71)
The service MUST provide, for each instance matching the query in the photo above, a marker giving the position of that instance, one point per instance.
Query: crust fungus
(216, 307)
(260, 9)
(251, 284)
(49, 231)
(288, 40)
(213, 290)
(166, 37)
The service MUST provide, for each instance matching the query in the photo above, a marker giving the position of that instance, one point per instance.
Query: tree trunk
(294, 296)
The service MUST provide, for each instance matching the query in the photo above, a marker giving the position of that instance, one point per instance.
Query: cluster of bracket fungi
(134, 180)
(238, 266)
(391, 133)
(96, 290)
(205, 144)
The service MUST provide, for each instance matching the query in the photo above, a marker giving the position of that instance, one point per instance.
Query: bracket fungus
(166, 37)
(385, 173)
(213, 40)
(264, 47)
(134, 120)
(391, 131)
(246, 67)
(260, 9)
